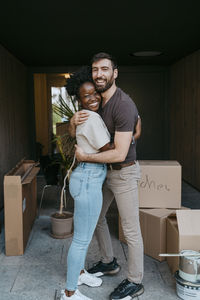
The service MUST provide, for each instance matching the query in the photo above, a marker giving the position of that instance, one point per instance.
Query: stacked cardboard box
(166, 226)
(20, 205)
(160, 184)
(183, 233)
(159, 197)
(153, 228)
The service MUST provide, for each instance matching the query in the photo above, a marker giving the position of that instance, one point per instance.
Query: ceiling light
(146, 53)
(67, 75)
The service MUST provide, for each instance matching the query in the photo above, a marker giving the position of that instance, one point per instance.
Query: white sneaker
(89, 279)
(76, 296)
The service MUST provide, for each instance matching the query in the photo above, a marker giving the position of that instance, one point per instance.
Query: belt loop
(82, 164)
(111, 167)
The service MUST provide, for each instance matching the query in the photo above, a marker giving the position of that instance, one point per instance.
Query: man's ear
(115, 73)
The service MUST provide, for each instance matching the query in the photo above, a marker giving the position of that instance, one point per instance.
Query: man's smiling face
(103, 74)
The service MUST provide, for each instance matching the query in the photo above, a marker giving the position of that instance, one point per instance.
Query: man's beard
(102, 89)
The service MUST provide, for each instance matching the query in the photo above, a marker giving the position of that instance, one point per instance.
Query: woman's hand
(79, 117)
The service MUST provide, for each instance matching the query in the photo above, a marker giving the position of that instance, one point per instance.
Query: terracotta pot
(62, 225)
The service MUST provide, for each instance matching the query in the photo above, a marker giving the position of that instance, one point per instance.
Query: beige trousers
(123, 186)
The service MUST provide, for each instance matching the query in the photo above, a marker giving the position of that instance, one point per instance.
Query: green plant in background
(65, 144)
(66, 163)
(66, 155)
(63, 109)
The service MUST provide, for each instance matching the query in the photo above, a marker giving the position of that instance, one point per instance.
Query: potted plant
(62, 220)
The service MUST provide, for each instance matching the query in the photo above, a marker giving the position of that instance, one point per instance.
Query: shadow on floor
(40, 273)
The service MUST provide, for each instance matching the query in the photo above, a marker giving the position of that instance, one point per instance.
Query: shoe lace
(97, 263)
(122, 285)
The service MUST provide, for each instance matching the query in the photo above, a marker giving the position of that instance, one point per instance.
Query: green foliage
(66, 162)
(65, 143)
(62, 109)
(66, 156)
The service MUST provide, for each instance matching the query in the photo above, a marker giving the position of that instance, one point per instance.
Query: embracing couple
(106, 130)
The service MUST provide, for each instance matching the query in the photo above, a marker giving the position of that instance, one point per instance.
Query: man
(120, 116)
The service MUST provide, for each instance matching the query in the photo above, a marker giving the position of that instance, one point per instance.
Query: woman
(85, 184)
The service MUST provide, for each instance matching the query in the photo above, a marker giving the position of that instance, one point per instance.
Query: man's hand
(80, 154)
(80, 117)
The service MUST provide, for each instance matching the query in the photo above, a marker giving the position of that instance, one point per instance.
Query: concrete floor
(40, 272)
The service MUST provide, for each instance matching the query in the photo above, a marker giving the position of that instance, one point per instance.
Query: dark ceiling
(62, 32)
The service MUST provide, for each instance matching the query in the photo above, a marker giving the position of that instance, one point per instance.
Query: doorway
(47, 90)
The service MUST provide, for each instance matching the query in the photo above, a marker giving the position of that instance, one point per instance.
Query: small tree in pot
(62, 221)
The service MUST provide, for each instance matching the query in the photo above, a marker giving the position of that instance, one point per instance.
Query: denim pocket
(75, 185)
(96, 174)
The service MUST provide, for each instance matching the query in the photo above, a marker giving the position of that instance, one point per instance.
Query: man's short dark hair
(103, 55)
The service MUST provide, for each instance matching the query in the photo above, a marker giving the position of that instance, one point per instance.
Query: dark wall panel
(148, 87)
(185, 116)
(14, 114)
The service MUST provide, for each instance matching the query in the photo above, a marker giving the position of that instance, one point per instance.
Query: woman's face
(89, 97)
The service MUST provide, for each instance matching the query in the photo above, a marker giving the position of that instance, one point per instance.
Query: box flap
(158, 212)
(159, 163)
(188, 222)
(31, 175)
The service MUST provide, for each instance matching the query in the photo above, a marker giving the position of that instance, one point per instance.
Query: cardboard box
(160, 184)
(183, 233)
(153, 228)
(20, 205)
(154, 232)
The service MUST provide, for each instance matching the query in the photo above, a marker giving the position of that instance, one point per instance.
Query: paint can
(189, 266)
(187, 290)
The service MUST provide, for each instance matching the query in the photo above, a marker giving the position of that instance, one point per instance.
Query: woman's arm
(77, 119)
(106, 147)
(138, 129)
(72, 127)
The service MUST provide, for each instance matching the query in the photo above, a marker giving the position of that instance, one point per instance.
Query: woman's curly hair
(84, 74)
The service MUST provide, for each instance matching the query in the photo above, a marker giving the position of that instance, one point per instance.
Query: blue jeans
(86, 188)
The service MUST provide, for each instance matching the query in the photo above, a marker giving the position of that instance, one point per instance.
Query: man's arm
(122, 142)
